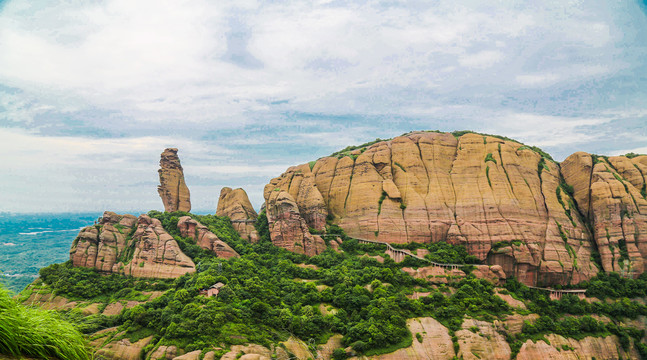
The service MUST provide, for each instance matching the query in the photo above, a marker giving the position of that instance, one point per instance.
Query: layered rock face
(204, 238)
(288, 229)
(128, 245)
(172, 189)
(498, 198)
(235, 205)
(610, 193)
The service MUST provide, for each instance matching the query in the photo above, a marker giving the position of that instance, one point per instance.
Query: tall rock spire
(172, 189)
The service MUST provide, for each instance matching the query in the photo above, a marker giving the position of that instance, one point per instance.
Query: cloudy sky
(92, 91)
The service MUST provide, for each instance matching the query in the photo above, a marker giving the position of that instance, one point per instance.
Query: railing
(248, 221)
(554, 293)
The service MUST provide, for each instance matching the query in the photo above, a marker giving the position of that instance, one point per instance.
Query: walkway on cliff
(398, 255)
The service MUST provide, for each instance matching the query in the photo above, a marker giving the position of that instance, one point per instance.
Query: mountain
(509, 204)
(428, 245)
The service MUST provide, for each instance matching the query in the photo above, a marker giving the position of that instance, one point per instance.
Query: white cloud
(166, 73)
(481, 60)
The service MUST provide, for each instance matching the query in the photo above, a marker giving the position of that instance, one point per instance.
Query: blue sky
(92, 92)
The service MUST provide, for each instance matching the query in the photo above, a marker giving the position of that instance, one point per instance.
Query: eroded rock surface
(235, 205)
(480, 340)
(128, 245)
(602, 348)
(500, 199)
(288, 229)
(611, 195)
(172, 189)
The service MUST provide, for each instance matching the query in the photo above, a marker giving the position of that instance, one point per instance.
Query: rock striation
(127, 245)
(610, 193)
(236, 205)
(172, 189)
(204, 238)
(288, 229)
(506, 202)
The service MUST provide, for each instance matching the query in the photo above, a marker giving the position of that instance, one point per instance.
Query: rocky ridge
(509, 204)
(124, 244)
(141, 247)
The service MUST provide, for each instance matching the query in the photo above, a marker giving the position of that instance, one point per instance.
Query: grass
(37, 333)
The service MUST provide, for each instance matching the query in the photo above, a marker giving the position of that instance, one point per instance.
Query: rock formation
(504, 201)
(172, 189)
(204, 238)
(128, 245)
(610, 193)
(235, 205)
(288, 229)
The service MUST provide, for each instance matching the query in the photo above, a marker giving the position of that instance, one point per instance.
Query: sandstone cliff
(235, 205)
(610, 193)
(172, 189)
(128, 245)
(502, 200)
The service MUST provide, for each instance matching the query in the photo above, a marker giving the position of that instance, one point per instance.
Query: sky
(91, 92)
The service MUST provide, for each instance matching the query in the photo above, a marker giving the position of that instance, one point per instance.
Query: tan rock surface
(298, 348)
(123, 349)
(436, 342)
(606, 348)
(254, 352)
(441, 188)
(172, 189)
(190, 228)
(236, 205)
(486, 343)
(164, 352)
(325, 351)
(609, 195)
(132, 246)
(193, 355)
(288, 229)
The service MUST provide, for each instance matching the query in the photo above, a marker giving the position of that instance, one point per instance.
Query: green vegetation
(379, 202)
(37, 333)
(633, 155)
(487, 174)
(270, 295)
(500, 244)
(489, 157)
(553, 319)
(312, 164)
(400, 166)
(347, 150)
